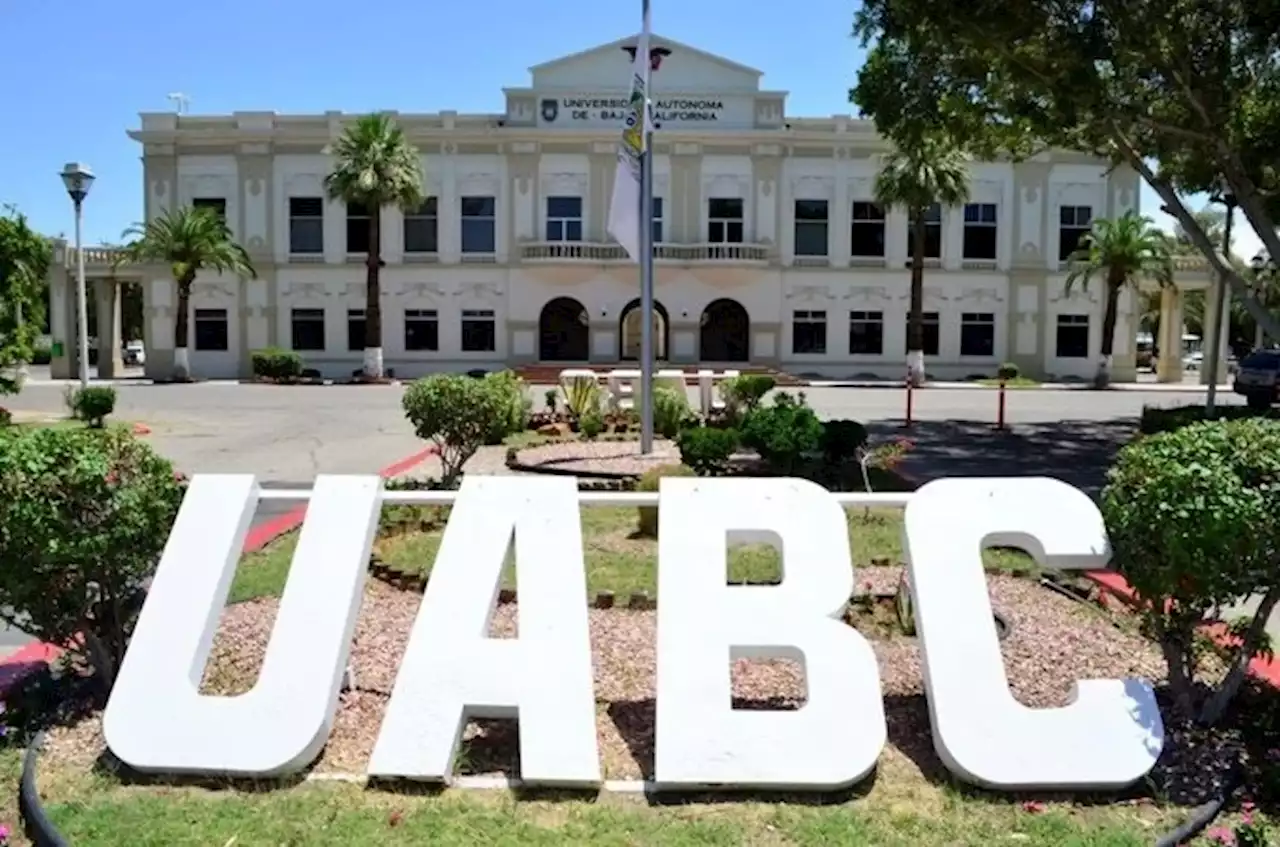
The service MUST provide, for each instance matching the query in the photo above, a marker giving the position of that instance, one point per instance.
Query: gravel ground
(621, 457)
(1054, 642)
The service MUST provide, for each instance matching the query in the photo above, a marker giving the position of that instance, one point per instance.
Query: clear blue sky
(72, 96)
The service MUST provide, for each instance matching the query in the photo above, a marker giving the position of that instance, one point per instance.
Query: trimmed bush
(670, 411)
(516, 405)
(85, 514)
(783, 433)
(93, 404)
(841, 439)
(456, 413)
(647, 516)
(591, 424)
(1166, 419)
(707, 450)
(1008, 371)
(1193, 516)
(274, 363)
(744, 393)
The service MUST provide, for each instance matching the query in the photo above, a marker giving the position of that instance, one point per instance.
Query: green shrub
(591, 424)
(515, 403)
(782, 433)
(744, 393)
(456, 413)
(274, 363)
(670, 411)
(647, 516)
(706, 449)
(85, 514)
(6, 417)
(41, 354)
(1008, 371)
(1168, 418)
(1193, 515)
(581, 396)
(93, 404)
(841, 439)
(552, 398)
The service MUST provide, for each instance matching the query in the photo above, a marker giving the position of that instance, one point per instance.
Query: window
(478, 231)
(306, 225)
(724, 220)
(811, 227)
(564, 218)
(1074, 223)
(308, 329)
(657, 220)
(422, 228)
(478, 334)
(211, 329)
(977, 334)
(809, 332)
(355, 329)
(980, 231)
(866, 333)
(867, 234)
(357, 228)
(929, 343)
(1073, 337)
(217, 204)
(932, 233)
(422, 330)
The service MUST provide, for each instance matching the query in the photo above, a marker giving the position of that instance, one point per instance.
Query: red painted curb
(1114, 584)
(35, 656)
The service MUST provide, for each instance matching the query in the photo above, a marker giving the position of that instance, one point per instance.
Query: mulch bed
(1053, 643)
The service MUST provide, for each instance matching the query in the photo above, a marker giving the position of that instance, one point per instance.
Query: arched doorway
(563, 331)
(630, 327)
(726, 332)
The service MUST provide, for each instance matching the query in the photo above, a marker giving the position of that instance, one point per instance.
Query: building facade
(770, 249)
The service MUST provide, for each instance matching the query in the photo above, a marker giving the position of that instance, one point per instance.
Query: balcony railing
(608, 252)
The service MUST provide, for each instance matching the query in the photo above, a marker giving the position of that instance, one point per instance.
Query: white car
(135, 353)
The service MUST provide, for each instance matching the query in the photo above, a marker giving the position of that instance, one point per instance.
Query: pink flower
(4, 834)
(1220, 835)
(1033, 807)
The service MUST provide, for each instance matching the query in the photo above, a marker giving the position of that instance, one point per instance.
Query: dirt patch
(620, 457)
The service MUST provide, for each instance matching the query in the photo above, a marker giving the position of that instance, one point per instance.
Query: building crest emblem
(656, 55)
(550, 110)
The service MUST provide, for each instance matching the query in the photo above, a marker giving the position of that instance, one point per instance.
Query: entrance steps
(548, 373)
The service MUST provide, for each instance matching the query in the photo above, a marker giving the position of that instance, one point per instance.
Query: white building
(770, 249)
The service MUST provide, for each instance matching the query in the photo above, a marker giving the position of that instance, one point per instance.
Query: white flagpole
(646, 242)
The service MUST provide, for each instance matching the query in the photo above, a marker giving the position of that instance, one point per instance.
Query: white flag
(624, 207)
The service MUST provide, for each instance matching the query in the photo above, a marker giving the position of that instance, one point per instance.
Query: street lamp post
(77, 178)
(1221, 321)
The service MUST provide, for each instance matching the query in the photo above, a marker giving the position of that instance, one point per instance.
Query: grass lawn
(1018, 382)
(616, 559)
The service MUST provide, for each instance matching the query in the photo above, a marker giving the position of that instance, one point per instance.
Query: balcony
(673, 254)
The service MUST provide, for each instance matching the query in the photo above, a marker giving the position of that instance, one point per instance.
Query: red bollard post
(1000, 406)
(910, 400)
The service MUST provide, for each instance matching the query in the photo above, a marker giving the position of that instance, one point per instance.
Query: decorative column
(110, 362)
(1169, 365)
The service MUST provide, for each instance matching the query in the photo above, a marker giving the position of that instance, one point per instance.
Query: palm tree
(1121, 251)
(189, 240)
(915, 177)
(375, 166)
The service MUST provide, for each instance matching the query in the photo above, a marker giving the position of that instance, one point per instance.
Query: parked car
(1257, 378)
(135, 353)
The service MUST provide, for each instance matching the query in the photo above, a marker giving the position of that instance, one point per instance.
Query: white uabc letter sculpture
(1109, 735)
(157, 720)
(834, 739)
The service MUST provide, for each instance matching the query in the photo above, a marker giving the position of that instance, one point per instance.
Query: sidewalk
(1183, 387)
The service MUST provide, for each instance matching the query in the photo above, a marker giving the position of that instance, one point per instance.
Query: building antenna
(181, 102)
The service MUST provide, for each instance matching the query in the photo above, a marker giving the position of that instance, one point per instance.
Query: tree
(915, 176)
(1185, 92)
(1121, 251)
(375, 166)
(25, 256)
(1263, 276)
(1212, 221)
(189, 240)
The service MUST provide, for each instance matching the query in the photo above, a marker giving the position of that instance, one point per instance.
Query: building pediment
(682, 69)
